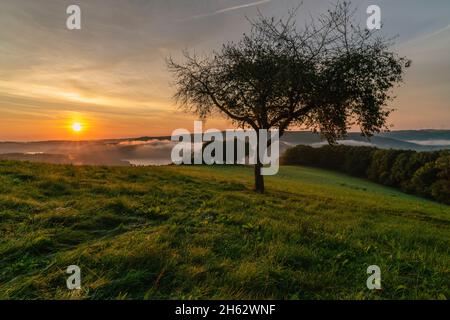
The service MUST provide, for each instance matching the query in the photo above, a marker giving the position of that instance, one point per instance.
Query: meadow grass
(200, 232)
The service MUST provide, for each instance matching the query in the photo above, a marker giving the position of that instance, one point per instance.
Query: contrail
(252, 4)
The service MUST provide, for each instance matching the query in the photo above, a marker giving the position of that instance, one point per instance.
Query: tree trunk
(259, 178)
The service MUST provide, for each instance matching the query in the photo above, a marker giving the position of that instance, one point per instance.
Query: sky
(111, 75)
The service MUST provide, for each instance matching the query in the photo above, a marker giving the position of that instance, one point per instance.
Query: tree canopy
(327, 76)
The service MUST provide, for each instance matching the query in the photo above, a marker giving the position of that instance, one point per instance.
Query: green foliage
(381, 166)
(200, 232)
(421, 173)
(440, 189)
(357, 160)
(352, 160)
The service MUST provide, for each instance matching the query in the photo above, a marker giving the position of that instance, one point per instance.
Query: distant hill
(37, 157)
(157, 150)
(419, 135)
(419, 140)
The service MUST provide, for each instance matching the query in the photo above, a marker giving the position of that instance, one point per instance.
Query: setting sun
(77, 127)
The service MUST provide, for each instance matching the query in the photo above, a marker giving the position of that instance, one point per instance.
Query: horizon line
(168, 136)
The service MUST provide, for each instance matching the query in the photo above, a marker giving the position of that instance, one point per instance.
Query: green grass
(201, 232)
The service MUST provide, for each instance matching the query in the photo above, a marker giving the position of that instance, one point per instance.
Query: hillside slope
(200, 232)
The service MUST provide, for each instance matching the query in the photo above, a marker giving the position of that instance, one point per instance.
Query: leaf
(442, 296)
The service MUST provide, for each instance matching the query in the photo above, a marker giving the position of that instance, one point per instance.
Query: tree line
(426, 174)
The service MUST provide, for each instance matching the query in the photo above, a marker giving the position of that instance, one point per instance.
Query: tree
(327, 76)
(440, 189)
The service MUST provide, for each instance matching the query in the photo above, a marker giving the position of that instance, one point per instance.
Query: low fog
(157, 150)
(105, 152)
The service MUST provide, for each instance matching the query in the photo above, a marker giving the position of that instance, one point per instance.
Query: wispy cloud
(233, 8)
(113, 76)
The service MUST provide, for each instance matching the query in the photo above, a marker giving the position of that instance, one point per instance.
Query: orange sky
(112, 78)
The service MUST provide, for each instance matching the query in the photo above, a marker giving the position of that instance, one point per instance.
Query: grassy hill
(200, 232)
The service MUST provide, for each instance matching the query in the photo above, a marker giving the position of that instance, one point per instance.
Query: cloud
(431, 142)
(113, 71)
(233, 8)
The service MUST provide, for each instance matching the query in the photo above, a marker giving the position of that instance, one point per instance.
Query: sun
(77, 127)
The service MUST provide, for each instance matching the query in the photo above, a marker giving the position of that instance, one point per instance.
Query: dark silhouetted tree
(327, 76)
